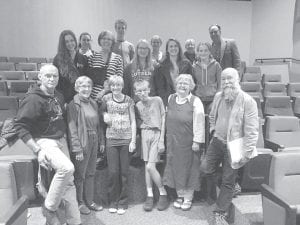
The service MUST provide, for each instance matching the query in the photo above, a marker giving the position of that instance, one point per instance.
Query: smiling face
(183, 87)
(106, 42)
(70, 42)
(85, 41)
(190, 47)
(215, 34)
(116, 88)
(84, 89)
(143, 50)
(120, 29)
(156, 43)
(49, 77)
(203, 52)
(173, 48)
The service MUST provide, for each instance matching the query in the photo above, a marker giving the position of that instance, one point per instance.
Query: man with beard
(233, 115)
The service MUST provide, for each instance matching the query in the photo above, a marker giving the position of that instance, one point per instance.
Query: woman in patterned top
(103, 64)
(141, 68)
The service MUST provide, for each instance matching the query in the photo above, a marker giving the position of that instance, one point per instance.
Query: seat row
(26, 59)
(17, 88)
(10, 66)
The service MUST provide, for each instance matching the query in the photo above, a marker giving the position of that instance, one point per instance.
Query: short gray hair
(186, 77)
(48, 67)
(81, 80)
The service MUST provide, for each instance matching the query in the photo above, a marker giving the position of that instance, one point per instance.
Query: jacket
(78, 136)
(243, 121)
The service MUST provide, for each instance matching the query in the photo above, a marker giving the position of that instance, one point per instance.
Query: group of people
(89, 102)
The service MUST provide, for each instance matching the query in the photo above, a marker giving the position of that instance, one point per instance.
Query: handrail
(284, 60)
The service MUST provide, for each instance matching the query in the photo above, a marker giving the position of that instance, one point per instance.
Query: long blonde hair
(136, 59)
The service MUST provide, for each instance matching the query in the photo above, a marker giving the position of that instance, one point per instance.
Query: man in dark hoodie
(40, 124)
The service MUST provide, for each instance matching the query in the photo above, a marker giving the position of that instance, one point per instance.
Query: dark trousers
(217, 153)
(85, 171)
(118, 169)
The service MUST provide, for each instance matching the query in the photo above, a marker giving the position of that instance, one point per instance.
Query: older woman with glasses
(185, 137)
(104, 64)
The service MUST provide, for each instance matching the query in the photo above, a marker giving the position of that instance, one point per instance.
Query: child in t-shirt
(119, 116)
(151, 121)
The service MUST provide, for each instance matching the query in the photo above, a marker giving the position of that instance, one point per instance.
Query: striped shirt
(113, 67)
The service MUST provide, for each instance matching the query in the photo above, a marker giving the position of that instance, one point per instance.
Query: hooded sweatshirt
(41, 116)
(208, 80)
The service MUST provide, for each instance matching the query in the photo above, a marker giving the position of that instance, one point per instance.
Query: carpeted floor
(248, 212)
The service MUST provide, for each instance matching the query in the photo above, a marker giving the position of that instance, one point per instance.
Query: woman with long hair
(169, 69)
(84, 46)
(104, 64)
(70, 63)
(141, 68)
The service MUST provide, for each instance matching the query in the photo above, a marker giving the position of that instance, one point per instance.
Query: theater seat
(274, 89)
(37, 60)
(271, 78)
(253, 89)
(26, 67)
(280, 198)
(12, 75)
(293, 90)
(282, 133)
(17, 59)
(253, 69)
(7, 66)
(8, 107)
(3, 88)
(278, 106)
(32, 75)
(3, 59)
(13, 210)
(296, 106)
(252, 77)
(20, 88)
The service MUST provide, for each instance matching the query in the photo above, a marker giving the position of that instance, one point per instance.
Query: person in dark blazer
(169, 69)
(224, 50)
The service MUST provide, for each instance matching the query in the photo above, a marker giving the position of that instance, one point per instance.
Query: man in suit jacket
(224, 50)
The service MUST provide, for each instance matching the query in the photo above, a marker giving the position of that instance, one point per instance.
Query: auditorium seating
(20, 88)
(253, 69)
(280, 198)
(7, 66)
(293, 89)
(3, 88)
(32, 75)
(274, 89)
(259, 108)
(271, 78)
(13, 209)
(26, 67)
(12, 75)
(3, 59)
(296, 106)
(278, 106)
(252, 77)
(282, 133)
(253, 89)
(8, 107)
(37, 60)
(17, 59)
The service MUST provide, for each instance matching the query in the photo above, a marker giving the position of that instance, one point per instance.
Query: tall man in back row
(224, 50)
(233, 115)
(40, 124)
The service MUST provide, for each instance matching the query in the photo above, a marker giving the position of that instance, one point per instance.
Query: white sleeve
(198, 121)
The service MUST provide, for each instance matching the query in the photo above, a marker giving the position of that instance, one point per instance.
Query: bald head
(48, 76)
(230, 72)
(48, 68)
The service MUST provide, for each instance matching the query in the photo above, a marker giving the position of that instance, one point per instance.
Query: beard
(230, 93)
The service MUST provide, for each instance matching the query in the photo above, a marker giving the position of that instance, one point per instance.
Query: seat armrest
(273, 145)
(17, 214)
(291, 210)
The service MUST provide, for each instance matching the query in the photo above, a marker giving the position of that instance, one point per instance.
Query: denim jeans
(118, 169)
(62, 187)
(217, 153)
(85, 171)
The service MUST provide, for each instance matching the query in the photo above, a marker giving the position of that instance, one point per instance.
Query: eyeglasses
(143, 48)
(106, 39)
(48, 76)
(85, 86)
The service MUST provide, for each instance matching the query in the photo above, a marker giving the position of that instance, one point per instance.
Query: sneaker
(220, 218)
(84, 210)
(237, 189)
(94, 206)
(112, 210)
(51, 217)
(186, 205)
(162, 203)
(121, 211)
(178, 202)
(148, 205)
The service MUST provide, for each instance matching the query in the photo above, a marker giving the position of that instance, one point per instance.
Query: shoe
(148, 205)
(84, 210)
(51, 217)
(162, 203)
(121, 211)
(94, 206)
(178, 202)
(237, 189)
(112, 210)
(186, 205)
(220, 218)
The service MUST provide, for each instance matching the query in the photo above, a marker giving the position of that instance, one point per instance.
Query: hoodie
(41, 116)
(208, 80)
